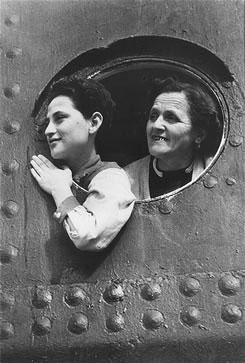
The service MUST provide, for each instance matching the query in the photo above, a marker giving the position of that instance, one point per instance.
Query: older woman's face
(169, 128)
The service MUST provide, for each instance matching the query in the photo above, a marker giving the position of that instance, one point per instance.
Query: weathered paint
(189, 249)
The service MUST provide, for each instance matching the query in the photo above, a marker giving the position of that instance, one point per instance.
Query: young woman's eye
(59, 119)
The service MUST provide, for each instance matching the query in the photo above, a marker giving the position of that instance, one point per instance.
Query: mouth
(52, 141)
(158, 138)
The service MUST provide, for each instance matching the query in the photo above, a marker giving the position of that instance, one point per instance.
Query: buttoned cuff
(65, 207)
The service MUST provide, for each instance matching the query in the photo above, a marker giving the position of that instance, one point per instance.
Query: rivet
(11, 127)
(190, 315)
(231, 313)
(150, 291)
(75, 296)
(6, 300)
(165, 206)
(78, 323)
(42, 298)
(6, 330)
(227, 84)
(12, 20)
(115, 323)
(153, 319)
(7, 254)
(10, 209)
(11, 92)
(230, 181)
(190, 286)
(229, 285)
(113, 293)
(210, 182)
(42, 326)
(10, 167)
(13, 53)
(235, 141)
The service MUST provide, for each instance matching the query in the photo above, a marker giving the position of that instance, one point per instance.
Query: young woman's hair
(203, 113)
(87, 95)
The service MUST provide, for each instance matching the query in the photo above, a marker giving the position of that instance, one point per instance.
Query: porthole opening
(128, 78)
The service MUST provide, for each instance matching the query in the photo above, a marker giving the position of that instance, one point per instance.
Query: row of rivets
(10, 208)
(152, 319)
(228, 285)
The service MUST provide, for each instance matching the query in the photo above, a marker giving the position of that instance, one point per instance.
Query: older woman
(183, 132)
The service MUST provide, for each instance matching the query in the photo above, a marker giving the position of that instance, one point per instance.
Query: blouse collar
(160, 173)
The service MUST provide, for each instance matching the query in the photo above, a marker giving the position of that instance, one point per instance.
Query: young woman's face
(67, 131)
(169, 128)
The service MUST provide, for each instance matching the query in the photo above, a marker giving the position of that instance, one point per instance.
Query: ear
(95, 122)
(200, 136)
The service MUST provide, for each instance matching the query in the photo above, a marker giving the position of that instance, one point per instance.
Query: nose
(160, 123)
(50, 129)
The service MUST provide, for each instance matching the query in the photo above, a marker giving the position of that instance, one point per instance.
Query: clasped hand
(50, 178)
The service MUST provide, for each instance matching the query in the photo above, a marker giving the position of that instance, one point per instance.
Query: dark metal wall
(170, 288)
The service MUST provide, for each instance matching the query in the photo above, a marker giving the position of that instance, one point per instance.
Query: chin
(155, 152)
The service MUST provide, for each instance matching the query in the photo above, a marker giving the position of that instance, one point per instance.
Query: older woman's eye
(171, 117)
(153, 116)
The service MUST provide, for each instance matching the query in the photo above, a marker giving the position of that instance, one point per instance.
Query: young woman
(93, 198)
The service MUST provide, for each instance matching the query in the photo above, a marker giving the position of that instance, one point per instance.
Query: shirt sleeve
(109, 204)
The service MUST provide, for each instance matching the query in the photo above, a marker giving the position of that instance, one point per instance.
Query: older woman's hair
(202, 110)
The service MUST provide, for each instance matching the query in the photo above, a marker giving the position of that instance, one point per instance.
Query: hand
(50, 178)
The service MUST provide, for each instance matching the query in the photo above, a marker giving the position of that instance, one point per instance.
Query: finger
(42, 164)
(45, 160)
(35, 166)
(38, 161)
(35, 174)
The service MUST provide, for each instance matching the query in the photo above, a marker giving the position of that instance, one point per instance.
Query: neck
(84, 158)
(170, 164)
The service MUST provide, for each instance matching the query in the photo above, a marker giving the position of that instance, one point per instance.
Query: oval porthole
(128, 78)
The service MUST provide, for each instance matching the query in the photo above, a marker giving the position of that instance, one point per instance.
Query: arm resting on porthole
(108, 206)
